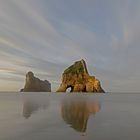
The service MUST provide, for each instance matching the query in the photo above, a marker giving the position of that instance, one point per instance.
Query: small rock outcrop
(34, 84)
(77, 78)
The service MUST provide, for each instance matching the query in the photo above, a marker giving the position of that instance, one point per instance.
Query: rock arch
(77, 77)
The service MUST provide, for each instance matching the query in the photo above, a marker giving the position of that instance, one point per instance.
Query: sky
(47, 36)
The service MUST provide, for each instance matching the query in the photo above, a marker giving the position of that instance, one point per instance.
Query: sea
(69, 116)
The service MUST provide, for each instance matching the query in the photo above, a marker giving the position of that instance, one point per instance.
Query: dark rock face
(34, 84)
(77, 78)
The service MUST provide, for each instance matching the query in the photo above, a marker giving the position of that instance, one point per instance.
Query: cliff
(34, 84)
(78, 79)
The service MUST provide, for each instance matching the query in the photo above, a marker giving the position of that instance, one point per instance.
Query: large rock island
(77, 78)
(34, 84)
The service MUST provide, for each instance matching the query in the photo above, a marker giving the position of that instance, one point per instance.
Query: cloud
(47, 36)
(29, 42)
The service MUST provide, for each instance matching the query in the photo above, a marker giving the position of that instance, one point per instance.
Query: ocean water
(53, 116)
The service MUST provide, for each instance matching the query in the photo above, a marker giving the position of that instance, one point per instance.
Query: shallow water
(42, 116)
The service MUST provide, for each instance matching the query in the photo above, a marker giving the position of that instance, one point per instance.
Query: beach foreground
(40, 116)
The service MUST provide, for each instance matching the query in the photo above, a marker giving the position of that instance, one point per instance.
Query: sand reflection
(32, 104)
(76, 112)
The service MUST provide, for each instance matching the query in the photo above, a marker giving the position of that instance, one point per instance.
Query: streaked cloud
(46, 36)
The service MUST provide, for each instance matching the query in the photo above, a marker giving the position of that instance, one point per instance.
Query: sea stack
(34, 84)
(78, 79)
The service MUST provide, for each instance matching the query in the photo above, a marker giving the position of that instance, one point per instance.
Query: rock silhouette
(77, 78)
(34, 84)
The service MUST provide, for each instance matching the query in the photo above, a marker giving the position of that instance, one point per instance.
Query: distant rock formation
(77, 78)
(34, 84)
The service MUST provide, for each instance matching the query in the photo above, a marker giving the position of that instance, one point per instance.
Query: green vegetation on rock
(78, 79)
(75, 69)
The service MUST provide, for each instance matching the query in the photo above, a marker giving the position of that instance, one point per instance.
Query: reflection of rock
(77, 78)
(34, 84)
(76, 112)
(32, 104)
